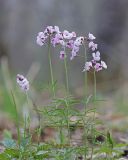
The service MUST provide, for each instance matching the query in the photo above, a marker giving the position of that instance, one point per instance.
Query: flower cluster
(96, 63)
(66, 39)
(23, 82)
(91, 44)
(69, 40)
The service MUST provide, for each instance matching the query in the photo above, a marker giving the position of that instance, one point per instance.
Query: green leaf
(9, 143)
(41, 153)
(4, 157)
(109, 139)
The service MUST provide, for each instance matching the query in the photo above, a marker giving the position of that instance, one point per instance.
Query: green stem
(92, 134)
(52, 80)
(93, 120)
(66, 71)
(85, 134)
(66, 74)
(27, 99)
(85, 74)
(68, 124)
(85, 105)
(51, 70)
(38, 116)
(25, 127)
(94, 73)
(61, 134)
(17, 119)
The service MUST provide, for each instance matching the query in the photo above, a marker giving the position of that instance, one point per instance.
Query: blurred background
(21, 20)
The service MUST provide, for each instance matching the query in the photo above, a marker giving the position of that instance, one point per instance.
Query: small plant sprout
(22, 82)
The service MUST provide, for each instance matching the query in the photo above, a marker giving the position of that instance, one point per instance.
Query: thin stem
(17, 119)
(52, 78)
(85, 74)
(61, 133)
(66, 71)
(94, 74)
(68, 124)
(50, 65)
(66, 74)
(92, 134)
(25, 127)
(38, 116)
(37, 113)
(27, 99)
(39, 122)
(93, 120)
(85, 105)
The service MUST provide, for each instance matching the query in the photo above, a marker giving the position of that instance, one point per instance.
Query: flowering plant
(61, 112)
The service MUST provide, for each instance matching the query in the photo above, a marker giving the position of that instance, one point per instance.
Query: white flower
(56, 29)
(92, 45)
(91, 37)
(41, 35)
(23, 82)
(103, 64)
(73, 34)
(49, 29)
(88, 66)
(40, 40)
(62, 42)
(68, 35)
(79, 41)
(96, 56)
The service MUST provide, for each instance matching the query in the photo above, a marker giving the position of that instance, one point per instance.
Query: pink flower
(96, 56)
(92, 45)
(23, 82)
(91, 37)
(88, 66)
(62, 55)
(94, 65)
(68, 35)
(56, 39)
(74, 52)
(70, 44)
(98, 67)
